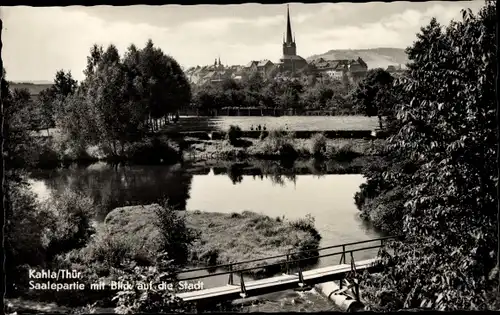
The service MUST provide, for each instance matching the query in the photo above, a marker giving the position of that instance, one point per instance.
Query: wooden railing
(288, 260)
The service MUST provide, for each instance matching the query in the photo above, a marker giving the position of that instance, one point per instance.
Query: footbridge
(297, 268)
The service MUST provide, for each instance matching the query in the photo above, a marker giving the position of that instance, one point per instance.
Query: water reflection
(260, 186)
(112, 187)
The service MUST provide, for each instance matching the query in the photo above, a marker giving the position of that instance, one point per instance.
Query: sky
(38, 41)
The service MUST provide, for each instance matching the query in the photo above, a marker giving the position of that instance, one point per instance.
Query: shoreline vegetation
(55, 151)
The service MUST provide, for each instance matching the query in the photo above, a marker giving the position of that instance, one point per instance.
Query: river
(328, 198)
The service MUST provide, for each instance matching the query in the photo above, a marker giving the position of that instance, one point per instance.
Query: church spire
(289, 39)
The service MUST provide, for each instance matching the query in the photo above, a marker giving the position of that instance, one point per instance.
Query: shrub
(280, 143)
(153, 151)
(263, 135)
(44, 155)
(386, 210)
(344, 153)
(318, 148)
(175, 236)
(71, 228)
(234, 134)
(25, 236)
(108, 250)
(150, 300)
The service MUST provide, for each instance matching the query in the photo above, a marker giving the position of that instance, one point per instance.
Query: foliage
(151, 299)
(272, 92)
(279, 143)
(121, 99)
(234, 134)
(175, 236)
(51, 100)
(25, 244)
(446, 123)
(71, 228)
(374, 95)
(318, 148)
(17, 126)
(152, 150)
(343, 153)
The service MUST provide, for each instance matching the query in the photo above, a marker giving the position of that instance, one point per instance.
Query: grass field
(293, 123)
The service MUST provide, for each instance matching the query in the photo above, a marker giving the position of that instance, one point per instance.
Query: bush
(153, 151)
(150, 300)
(318, 148)
(385, 211)
(175, 236)
(44, 155)
(280, 143)
(25, 236)
(107, 250)
(71, 228)
(344, 153)
(234, 134)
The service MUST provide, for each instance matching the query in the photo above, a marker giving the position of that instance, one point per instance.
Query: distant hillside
(34, 82)
(33, 88)
(374, 57)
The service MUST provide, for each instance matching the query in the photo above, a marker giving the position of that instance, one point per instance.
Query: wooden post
(243, 292)
(342, 258)
(231, 280)
(286, 264)
(301, 277)
(356, 289)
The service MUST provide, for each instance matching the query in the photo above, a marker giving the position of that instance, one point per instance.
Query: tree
(373, 94)
(164, 85)
(446, 126)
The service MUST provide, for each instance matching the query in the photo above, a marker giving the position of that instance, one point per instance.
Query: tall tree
(446, 127)
(373, 94)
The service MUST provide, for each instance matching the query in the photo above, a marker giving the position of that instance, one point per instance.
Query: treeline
(256, 92)
(436, 189)
(120, 100)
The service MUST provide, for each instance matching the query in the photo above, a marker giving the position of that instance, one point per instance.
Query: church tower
(289, 47)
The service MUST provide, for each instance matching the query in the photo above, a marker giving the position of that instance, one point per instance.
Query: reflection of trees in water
(128, 185)
(318, 167)
(235, 173)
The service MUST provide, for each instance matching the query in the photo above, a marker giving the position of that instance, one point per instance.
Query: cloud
(397, 30)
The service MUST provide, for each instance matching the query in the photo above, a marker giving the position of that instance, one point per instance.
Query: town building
(215, 73)
(263, 67)
(345, 70)
(396, 70)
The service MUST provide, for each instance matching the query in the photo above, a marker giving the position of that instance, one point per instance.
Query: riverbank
(221, 238)
(280, 146)
(55, 151)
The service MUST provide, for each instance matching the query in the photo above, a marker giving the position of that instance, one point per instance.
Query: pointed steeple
(289, 39)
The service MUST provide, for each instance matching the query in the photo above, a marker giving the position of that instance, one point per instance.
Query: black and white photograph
(280, 157)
